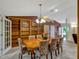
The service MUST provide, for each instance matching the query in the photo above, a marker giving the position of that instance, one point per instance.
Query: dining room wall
(72, 30)
(23, 26)
(52, 30)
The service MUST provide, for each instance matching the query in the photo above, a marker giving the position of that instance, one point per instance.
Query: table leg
(32, 55)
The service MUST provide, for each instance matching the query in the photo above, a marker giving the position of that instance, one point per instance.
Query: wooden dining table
(34, 43)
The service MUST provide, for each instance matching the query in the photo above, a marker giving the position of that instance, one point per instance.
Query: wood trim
(78, 29)
(30, 26)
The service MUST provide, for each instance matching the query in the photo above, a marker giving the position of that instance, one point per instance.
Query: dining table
(33, 44)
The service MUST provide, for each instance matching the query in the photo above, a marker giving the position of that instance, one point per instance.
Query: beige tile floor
(69, 52)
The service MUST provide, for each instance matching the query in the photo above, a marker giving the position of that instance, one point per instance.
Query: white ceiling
(67, 8)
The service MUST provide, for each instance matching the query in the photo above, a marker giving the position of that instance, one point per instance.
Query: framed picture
(25, 24)
(34, 24)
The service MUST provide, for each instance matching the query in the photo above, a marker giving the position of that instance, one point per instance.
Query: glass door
(65, 31)
(7, 35)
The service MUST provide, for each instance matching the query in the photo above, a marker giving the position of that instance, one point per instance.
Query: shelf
(15, 33)
(24, 34)
(34, 24)
(25, 29)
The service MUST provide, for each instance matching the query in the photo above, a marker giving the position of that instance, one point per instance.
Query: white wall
(46, 29)
(51, 31)
(73, 29)
(69, 34)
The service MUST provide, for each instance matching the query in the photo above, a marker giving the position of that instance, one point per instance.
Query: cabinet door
(24, 28)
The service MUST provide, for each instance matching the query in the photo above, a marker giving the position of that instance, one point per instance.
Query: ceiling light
(45, 17)
(56, 10)
(40, 18)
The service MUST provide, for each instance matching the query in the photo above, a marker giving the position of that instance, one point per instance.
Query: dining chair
(39, 37)
(21, 46)
(59, 45)
(53, 47)
(31, 37)
(43, 49)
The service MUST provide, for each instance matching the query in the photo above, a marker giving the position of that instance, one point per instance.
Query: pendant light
(40, 18)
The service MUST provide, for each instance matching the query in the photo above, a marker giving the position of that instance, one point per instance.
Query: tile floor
(69, 52)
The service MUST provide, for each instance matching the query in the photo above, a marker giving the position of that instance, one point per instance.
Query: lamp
(40, 19)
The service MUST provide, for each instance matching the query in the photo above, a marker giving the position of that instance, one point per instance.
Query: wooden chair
(21, 54)
(31, 37)
(43, 49)
(59, 45)
(39, 37)
(53, 47)
(21, 46)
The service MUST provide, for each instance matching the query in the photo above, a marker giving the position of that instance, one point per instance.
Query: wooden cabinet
(34, 28)
(15, 31)
(23, 26)
(5, 35)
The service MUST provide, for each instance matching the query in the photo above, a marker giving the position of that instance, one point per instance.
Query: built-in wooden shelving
(23, 26)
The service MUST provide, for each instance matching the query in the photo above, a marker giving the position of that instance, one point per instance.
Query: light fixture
(40, 18)
(56, 10)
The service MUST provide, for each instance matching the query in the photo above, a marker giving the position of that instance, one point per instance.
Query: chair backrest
(60, 42)
(39, 37)
(20, 45)
(43, 47)
(31, 37)
(61, 39)
(53, 44)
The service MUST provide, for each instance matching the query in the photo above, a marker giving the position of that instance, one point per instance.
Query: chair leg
(40, 56)
(55, 52)
(47, 56)
(58, 49)
(51, 54)
(61, 49)
(31, 56)
(20, 56)
(34, 55)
